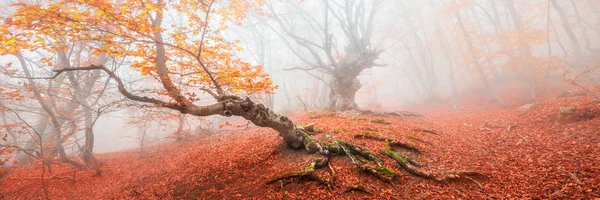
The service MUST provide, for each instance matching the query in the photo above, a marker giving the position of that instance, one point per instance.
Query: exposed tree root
(412, 137)
(365, 160)
(380, 121)
(304, 174)
(408, 165)
(461, 175)
(391, 142)
(405, 164)
(426, 130)
(390, 114)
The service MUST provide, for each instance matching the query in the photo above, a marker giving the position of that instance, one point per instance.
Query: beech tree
(60, 101)
(194, 54)
(341, 59)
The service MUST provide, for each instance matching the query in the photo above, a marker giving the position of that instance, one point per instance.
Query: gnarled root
(390, 142)
(367, 161)
(406, 164)
(460, 175)
(426, 130)
(391, 114)
(305, 174)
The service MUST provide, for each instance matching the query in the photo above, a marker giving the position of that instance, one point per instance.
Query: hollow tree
(334, 40)
(194, 54)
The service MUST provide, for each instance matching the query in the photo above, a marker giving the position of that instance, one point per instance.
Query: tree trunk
(343, 93)
(257, 114)
(179, 131)
(565, 24)
(583, 25)
(48, 109)
(88, 147)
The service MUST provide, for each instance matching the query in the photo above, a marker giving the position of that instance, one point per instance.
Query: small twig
(426, 130)
(357, 188)
(304, 104)
(572, 175)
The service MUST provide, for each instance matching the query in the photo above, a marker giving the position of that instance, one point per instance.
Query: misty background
(433, 52)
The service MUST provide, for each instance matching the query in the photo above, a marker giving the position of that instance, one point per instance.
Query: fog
(334, 55)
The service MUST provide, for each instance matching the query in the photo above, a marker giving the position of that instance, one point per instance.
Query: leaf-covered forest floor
(531, 153)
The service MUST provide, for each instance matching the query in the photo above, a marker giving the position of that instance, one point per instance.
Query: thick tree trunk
(88, 147)
(343, 93)
(565, 24)
(257, 114)
(179, 131)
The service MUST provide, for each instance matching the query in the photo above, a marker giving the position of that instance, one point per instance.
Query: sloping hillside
(531, 152)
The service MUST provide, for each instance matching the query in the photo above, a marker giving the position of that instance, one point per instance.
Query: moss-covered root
(367, 161)
(304, 174)
(405, 163)
(426, 130)
(391, 142)
(462, 175)
(313, 146)
(412, 137)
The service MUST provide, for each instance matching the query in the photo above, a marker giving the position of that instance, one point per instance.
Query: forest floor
(529, 153)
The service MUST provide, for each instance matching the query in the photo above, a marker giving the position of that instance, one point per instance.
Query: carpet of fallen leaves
(524, 153)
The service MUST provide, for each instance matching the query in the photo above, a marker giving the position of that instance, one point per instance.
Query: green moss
(387, 145)
(387, 172)
(412, 137)
(332, 148)
(309, 168)
(309, 143)
(400, 159)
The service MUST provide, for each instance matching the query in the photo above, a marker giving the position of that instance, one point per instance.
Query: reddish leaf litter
(529, 153)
